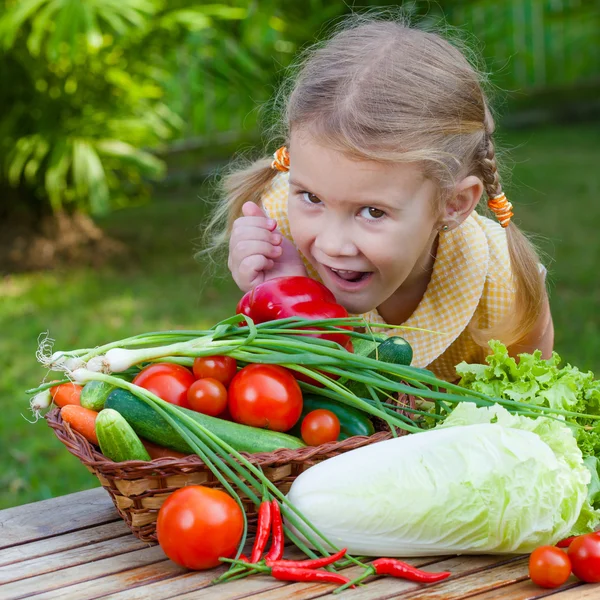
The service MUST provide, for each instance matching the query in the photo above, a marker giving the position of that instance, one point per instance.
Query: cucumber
(94, 394)
(395, 350)
(117, 440)
(152, 427)
(352, 421)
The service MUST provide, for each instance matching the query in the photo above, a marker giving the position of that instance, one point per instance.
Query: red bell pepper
(296, 296)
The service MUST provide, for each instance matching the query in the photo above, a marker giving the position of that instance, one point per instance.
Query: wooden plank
(267, 588)
(71, 575)
(253, 586)
(39, 520)
(112, 584)
(456, 588)
(174, 580)
(183, 581)
(69, 558)
(390, 587)
(524, 590)
(589, 591)
(67, 541)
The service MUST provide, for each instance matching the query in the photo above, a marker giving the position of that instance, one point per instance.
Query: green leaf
(146, 162)
(23, 150)
(56, 173)
(89, 177)
(12, 21)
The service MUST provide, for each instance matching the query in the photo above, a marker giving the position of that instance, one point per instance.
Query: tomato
(221, 368)
(66, 393)
(549, 566)
(207, 396)
(265, 396)
(196, 525)
(168, 381)
(319, 427)
(584, 552)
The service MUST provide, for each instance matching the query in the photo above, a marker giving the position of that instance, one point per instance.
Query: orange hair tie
(502, 208)
(282, 160)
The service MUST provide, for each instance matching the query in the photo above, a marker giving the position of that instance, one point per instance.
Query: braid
(489, 169)
(487, 157)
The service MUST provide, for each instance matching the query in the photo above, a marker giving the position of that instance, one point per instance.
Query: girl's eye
(371, 213)
(310, 198)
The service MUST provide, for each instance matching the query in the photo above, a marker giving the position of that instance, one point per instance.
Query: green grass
(555, 190)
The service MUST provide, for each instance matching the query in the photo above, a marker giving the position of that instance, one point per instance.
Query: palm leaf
(56, 173)
(147, 163)
(89, 177)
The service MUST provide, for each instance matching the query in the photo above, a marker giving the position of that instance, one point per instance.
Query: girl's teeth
(348, 275)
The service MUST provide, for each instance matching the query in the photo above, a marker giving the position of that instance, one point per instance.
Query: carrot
(156, 451)
(65, 394)
(82, 420)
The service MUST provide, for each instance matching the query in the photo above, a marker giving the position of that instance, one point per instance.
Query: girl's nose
(335, 241)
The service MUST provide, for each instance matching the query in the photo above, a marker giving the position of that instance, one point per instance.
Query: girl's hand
(258, 251)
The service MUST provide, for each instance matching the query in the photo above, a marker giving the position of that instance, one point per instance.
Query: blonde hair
(381, 90)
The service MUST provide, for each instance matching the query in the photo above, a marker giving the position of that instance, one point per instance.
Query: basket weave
(139, 488)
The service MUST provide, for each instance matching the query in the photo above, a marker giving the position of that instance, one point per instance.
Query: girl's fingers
(253, 223)
(251, 209)
(241, 250)
(251, 270)
(251, 232)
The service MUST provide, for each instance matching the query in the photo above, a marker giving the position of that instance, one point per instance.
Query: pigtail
(242, 185)
(529, 284)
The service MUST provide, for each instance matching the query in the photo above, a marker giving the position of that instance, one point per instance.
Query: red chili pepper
(297, 574)
(397, 568)
(263, 528)
(566, 542)
(243, 558)
(283, 297)
(313, 563)
(277, 543)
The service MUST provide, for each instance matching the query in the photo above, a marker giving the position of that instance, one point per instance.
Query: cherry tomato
(265, 396)
(66, 393)
(319, 427)
(168, 381)
(584, 552)
(549, 566)
(221, 368)
(196, 525)
(207, 396)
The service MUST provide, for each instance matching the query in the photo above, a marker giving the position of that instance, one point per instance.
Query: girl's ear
(467, 194)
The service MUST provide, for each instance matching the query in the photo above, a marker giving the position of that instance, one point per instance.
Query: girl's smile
(368, 228)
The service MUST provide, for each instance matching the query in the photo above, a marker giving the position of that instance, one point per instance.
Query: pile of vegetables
(291, 364)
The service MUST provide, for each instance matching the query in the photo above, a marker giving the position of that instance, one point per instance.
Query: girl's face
(368, 228)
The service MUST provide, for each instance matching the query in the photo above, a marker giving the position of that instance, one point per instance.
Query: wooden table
(77, 547)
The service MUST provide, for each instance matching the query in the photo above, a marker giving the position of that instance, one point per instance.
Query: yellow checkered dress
(470, 286)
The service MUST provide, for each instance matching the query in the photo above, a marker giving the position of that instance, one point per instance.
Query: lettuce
(556, 435)
(485, 481)
(535, 380)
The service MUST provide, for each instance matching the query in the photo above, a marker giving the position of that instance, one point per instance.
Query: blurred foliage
(99, 88)
(87, 95)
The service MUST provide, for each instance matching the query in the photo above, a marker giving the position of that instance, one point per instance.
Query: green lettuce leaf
(541, 382)
(486, 481)
(558, 436)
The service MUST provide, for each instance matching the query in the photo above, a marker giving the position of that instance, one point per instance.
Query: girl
(389, 150)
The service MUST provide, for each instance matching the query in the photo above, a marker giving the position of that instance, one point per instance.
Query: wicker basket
(138, 488)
